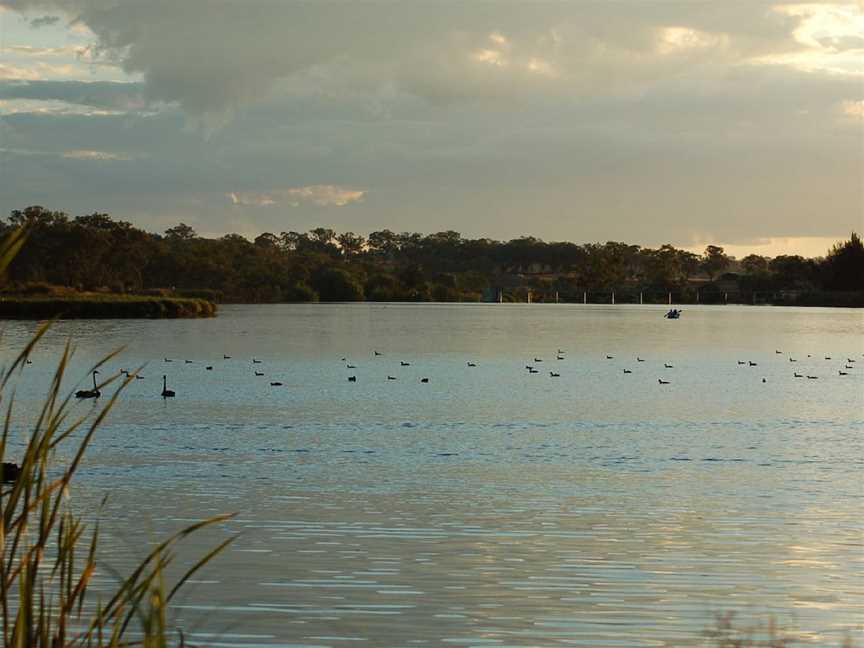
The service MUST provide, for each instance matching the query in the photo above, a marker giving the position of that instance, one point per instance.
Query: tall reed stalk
(48, 555)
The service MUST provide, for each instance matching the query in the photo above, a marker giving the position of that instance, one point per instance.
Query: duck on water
(166, 393)
(89, 393)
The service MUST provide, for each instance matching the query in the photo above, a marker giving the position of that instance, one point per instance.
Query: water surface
(489, 506)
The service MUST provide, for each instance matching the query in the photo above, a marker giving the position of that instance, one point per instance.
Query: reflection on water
(489, 506)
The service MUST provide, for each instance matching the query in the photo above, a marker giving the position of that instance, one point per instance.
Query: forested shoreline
(98, 253)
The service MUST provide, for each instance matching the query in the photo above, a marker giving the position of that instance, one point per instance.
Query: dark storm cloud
(645, 121)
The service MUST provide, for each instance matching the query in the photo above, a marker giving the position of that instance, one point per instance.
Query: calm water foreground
(489, 506)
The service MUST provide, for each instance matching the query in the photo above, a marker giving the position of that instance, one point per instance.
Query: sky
(738, 123)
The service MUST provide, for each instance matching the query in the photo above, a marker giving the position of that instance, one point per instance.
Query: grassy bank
(102, 306)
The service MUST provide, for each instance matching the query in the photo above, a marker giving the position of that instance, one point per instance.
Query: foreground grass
(86, 305)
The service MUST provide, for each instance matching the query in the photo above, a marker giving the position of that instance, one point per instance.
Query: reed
(48, 555)
(727, 632)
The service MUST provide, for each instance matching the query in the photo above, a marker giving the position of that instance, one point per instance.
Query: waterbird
(752, 364)
(842, 373)
(797, 375)
(529, 367)
(424, 380)
(209, 368)
(538, 359)
(560, 357)
(638, 359)
(668, 366)
(533, 371)
(276, 384)
(404, 364)
(850, 360)
(377, 353)
(352, 378)
(608, 357)
(166, 393)
(778, 352)
(552, 374)
(9, 472)
(791, 359)
(663, 382)
(137, 377)
(255, 361)
(627, 371)
(89, 393)
(848, 367)
(764, 380)
(168, 360)
(741, 362)
(813, 377)
(827, 357)
(187, 362)
(350, 366)
(226, 357)
(391, 377)
(259, 373)
(560, 352)
(471, 364)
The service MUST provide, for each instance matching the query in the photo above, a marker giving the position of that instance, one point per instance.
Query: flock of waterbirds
(848, 365)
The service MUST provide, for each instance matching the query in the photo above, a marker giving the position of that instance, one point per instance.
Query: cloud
(44, 21)
(853, 109)
(96, 156)
(829, 38)
(630, 120)
(29, 50)
(17, 72)
(81, 154)
(98, 94)
(317, 195)
(443, 51)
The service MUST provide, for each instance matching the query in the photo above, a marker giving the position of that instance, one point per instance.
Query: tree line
(98, 252)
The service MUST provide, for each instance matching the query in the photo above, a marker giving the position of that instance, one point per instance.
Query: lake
(488, 506)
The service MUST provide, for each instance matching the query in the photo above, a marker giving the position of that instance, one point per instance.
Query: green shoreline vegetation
(88, 305)
(96, 253)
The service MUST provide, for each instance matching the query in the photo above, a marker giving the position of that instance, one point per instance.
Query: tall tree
(714, 261)
(844, 265)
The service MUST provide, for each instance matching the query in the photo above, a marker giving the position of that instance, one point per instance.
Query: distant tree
(668, 266)
(293, 241)
(337, 284)
(267, 241)
(844, 266)
(181, 232)
(792, 270)
(383, 243)
(714, 261)
(95, 250)
(754, 264)
(37, 216)
(351, 244)
(382, 287)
